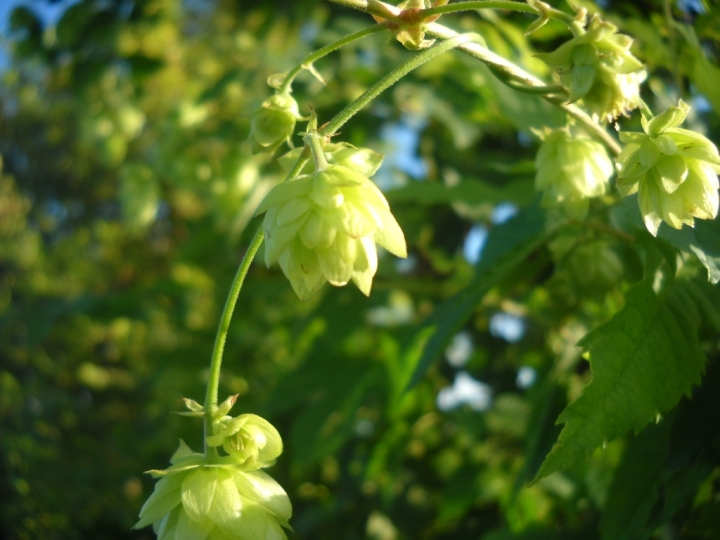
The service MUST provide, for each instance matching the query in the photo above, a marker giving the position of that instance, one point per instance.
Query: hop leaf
(570, 169)
(599, 68)
(673, 170)
(324, 226)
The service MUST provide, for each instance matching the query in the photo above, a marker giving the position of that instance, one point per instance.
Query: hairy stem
(327, 49)
(550, 13)
(391, 78)
(211, 394)
(503, 68)
(312, 141)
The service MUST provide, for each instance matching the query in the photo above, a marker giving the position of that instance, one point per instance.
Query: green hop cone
(570, 170)
(274, 122)
(410, 32)
(673, 170)
(599, 68)
(324, 226)
(249, 439)
(215, 501)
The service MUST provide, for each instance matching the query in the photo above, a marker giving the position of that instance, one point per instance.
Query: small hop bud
(250, 440)
(599, 68)
(570, 169)
(324, 226)
(274, 122)
(673, 170)
(215, 501)
(411, 31)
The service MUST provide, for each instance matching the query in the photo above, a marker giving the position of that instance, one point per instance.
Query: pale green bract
(570, 170)
(226, 499)
(599, 68)
(673, 170)
(324, 226)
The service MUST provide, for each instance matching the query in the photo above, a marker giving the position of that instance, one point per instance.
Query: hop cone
(673, 170)
(599, 68)
(228, 499)
(274, 122)
(571, 169)
(324, 226)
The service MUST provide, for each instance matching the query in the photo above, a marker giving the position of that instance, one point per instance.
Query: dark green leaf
(643, 361)
(634, 488)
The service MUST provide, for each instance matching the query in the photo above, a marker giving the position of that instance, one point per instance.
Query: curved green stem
(391, 78)
(500, 66)
(327, 49)
(550, 13)
(211, 394)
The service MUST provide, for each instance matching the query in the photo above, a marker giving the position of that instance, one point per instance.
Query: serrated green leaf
(508, 245)
(702, 240)
(635, 484)
(643, 360)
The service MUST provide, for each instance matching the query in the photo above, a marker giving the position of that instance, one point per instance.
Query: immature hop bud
(570, 169)
(599, 68)
(673, 170)
(223, 499)
(274, 122)
(323, 226)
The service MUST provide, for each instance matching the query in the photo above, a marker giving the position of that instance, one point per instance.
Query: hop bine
(570, 170)
(221, 498)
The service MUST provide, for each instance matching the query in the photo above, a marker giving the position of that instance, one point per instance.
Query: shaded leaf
(635, 484)
(643, 360)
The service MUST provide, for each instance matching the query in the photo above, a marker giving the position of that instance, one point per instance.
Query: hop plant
(599, 68)
(274, 122)
(223, 498)
(323, 226)
(570, 169)
(673, 170)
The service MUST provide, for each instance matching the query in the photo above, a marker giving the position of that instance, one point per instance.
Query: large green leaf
(508, 245)
(702, 240)
(643, 360)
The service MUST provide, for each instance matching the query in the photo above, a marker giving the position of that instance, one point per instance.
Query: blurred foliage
(127, 194)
